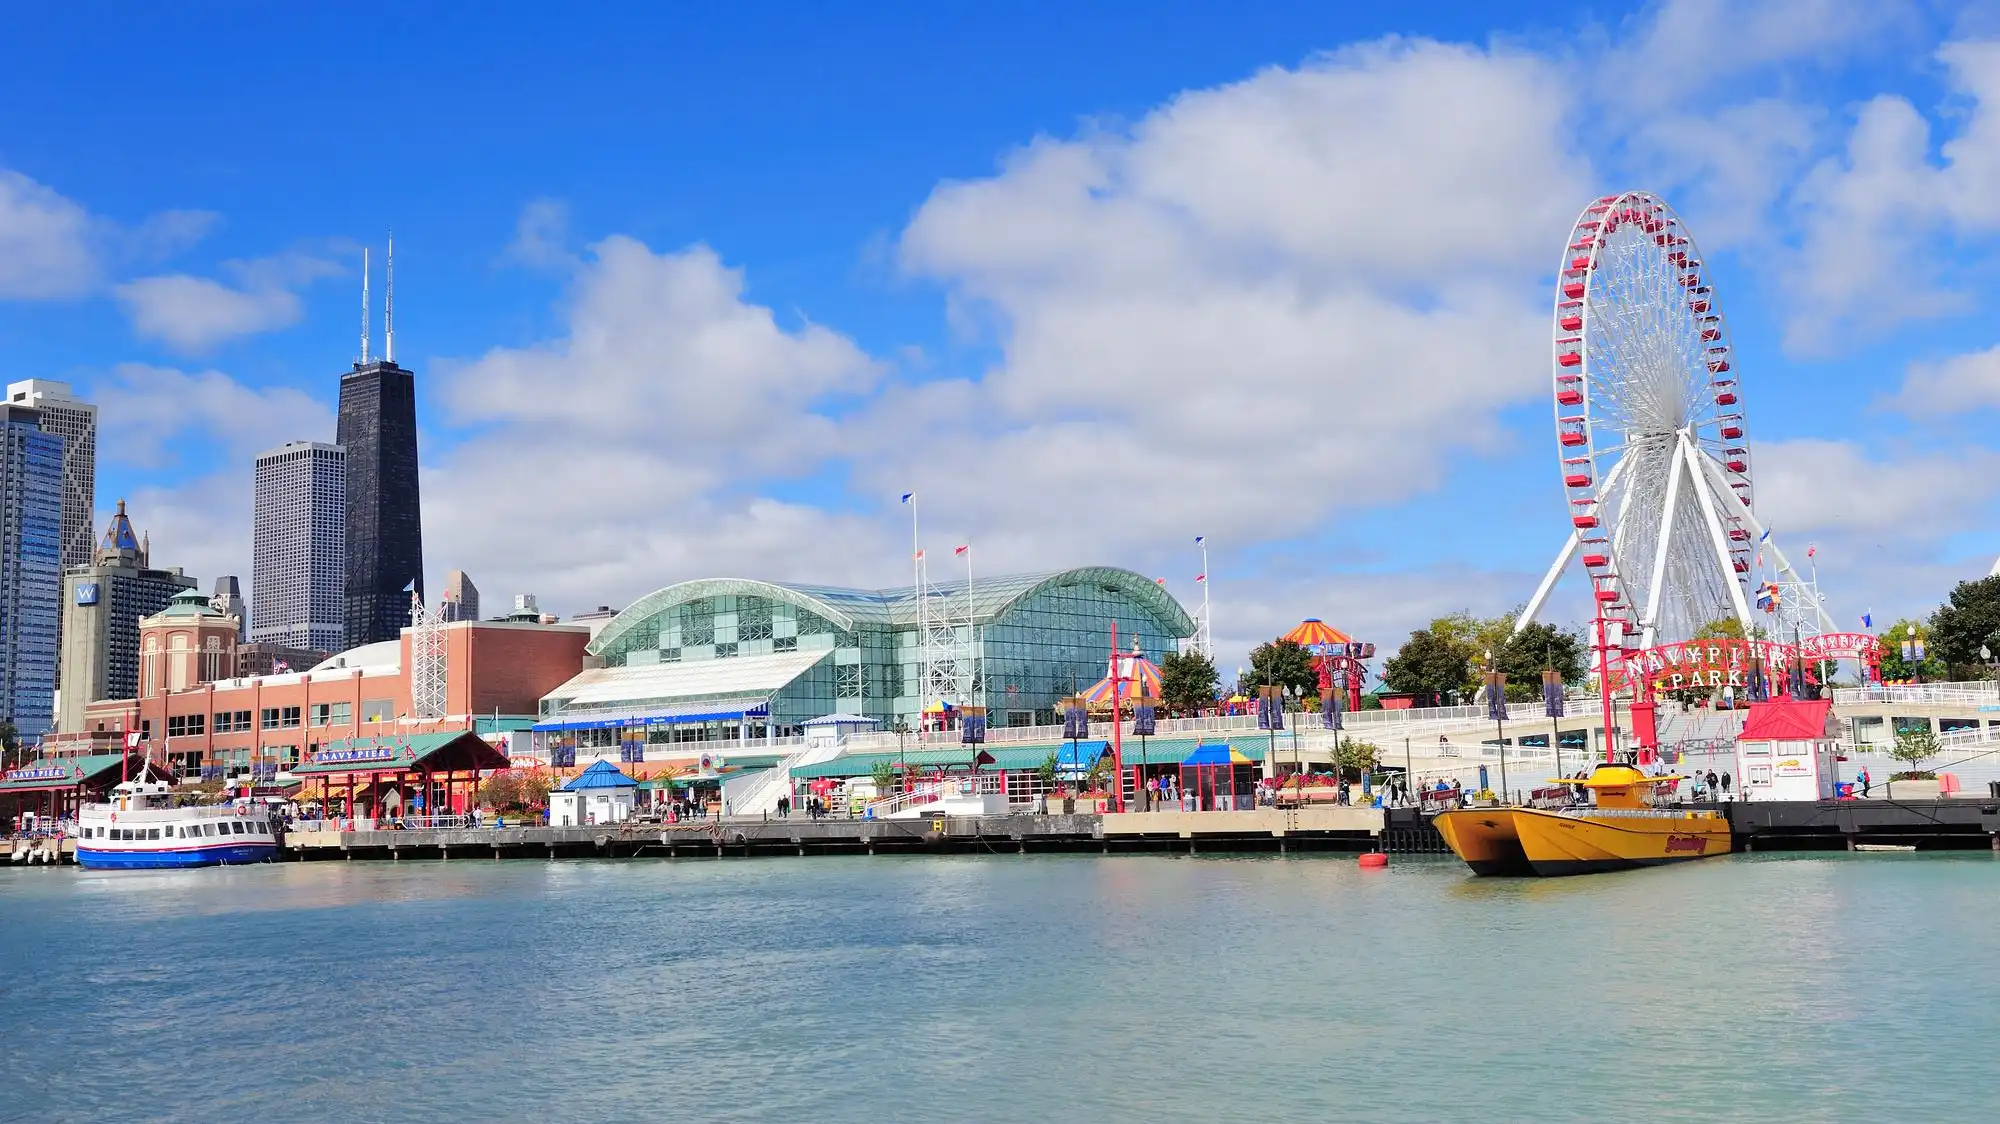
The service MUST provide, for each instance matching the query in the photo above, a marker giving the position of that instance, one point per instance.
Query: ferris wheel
(1650, 432)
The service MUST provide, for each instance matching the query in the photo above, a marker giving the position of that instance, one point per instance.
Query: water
(1009, 988)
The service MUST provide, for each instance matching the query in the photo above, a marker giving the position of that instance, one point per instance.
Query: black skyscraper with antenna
(385, 531)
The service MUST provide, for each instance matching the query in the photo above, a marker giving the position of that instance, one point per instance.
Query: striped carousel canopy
(1313, 633)
(1141, 680)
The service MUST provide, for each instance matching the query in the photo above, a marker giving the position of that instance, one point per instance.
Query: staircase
(758, 793)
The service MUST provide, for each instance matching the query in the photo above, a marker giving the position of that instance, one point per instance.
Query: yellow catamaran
(1620, 829)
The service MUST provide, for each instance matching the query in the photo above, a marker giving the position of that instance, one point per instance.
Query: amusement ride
(1652, 448)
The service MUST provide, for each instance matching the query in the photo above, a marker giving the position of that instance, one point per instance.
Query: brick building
(197, 713)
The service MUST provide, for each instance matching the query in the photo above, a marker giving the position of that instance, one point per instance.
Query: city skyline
(674, 367)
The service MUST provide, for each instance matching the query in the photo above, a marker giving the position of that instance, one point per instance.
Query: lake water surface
(1004, 988)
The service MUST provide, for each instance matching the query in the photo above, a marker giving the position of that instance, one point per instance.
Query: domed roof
(191, 603)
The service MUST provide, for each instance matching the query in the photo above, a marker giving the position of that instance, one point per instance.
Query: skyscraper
(31, 485)
(385, 533)
(298, 550)
(75, 421)
(228, 600)
(461, 598)
(100, 626)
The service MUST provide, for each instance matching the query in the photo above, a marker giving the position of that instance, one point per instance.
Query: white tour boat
(140, 827)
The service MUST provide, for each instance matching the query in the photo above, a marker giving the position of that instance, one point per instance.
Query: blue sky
(700, 292)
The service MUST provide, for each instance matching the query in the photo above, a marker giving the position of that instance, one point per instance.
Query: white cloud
(1260, 304)
(193, 314)
(541, 236)
(45, 242)
(1950, 386)
(1878, 220)
(201, 525)
(633, 443)
(144, 410)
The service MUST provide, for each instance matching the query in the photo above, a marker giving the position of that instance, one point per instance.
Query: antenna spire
(389, 305)
(364, 306)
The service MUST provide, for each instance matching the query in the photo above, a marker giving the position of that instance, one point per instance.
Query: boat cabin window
(152, 833)
(236, 827)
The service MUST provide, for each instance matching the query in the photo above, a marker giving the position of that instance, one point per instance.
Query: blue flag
(907, 495)
(1867, 620)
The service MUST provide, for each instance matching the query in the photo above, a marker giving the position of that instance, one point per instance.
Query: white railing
(1977, 692)
(931, 792)
(760, 793)
(1304, 721)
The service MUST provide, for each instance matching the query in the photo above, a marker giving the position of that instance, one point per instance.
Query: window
(146, 729)
(152, 833)
(197, 724)
(236, 827)
(231, 721)
(289, 718)
(186, 725)
(332, 714)
(377, 710)
(268, 718)
(785, 644)
(208, 829)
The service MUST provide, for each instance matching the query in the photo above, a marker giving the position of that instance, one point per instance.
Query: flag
(1767, 598)
(412, 587)
(963, 549)
(1201, 577)
(1812, 549)
(1199, 539)
(1760, 558)
(1868, 620)
(1159, 581)
(907, 495)
(1766, 536)
(920, 554)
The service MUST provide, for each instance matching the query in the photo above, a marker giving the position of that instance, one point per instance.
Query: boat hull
(1552, 844)
(229, 854)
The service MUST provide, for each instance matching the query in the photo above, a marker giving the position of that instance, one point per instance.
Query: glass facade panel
(1035, 639)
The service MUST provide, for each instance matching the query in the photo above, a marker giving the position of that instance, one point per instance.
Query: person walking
(1866, 781)
(1712, 782)
(1725, 786)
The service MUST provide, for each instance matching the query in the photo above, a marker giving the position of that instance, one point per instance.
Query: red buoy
(1374, 860)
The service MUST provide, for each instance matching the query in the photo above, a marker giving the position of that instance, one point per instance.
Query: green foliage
(1356, 757)
(1914, 747)
(1433, 665)
(1896, 668)
(884, 776)
(1187, 682)
(1525, 654)
(10, 745)
(1969, 618)
(1283, 663)
(1047, 770)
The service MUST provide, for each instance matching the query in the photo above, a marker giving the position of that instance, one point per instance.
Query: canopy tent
(1141, 681)
(1313, 633)
(1216, 753)
(601, 774)
(1209, 775)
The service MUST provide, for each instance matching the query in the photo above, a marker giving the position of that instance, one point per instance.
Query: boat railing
(1666, 811)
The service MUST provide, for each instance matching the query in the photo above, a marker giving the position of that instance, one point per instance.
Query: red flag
(962, 549)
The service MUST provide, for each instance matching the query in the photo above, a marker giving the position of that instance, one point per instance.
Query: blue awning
(687, 714)
(1215, 753)
(1073, 759)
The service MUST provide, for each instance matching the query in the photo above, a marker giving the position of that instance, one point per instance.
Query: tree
(1968, 620)
(1895, 668)
(1431, 666)
(1283, 663)
(1914, 747)
(1356, 757)
(1187, 682)
(515, 790)
(884, 775)
(10, 745)
(1525, 654)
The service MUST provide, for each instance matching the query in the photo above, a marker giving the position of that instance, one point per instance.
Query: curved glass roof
(897, 607)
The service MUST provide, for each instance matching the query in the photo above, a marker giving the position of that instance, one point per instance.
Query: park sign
(1723, 662)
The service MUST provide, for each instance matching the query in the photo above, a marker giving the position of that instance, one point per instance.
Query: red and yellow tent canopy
(1313, 632)
(1142, 680)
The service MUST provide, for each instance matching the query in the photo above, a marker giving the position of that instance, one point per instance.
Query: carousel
(1340, 661)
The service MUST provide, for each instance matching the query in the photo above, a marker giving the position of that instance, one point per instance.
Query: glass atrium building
(732, 658)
